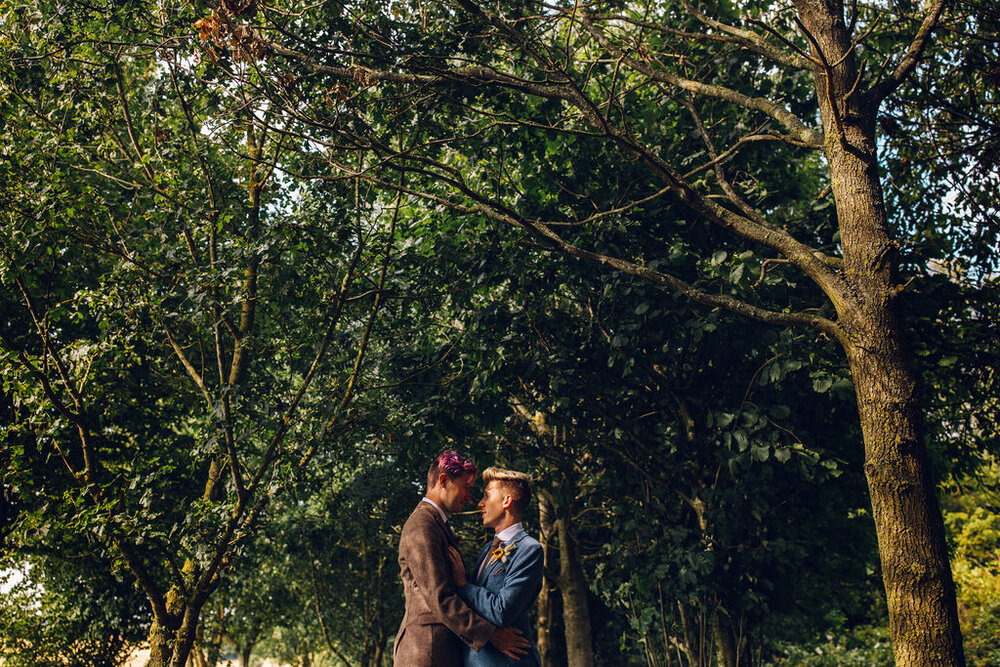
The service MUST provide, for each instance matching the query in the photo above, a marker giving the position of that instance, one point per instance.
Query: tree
(755, 84)
(180, 334)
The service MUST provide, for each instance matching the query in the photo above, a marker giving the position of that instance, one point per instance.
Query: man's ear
(441, 478)
(508, 500)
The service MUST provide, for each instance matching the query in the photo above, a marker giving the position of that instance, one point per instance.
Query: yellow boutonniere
(502, 553)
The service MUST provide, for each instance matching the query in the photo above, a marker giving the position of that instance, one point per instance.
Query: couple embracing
(454, 617)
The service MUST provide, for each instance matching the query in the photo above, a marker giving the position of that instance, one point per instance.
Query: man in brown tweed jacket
(436, 622)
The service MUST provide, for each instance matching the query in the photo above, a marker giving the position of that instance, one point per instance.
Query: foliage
(972, 515)
(863, 647)
(175, 320)
(940, 137)
(260, 261)
(954, 321)
(67, 610)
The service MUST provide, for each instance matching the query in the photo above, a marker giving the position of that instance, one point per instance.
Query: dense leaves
(261, 261)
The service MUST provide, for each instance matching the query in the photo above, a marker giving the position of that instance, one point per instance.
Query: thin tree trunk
(185, 635)
(694, 660)
(197, 658)
(543, 629)
(544, 626)
(245, 655)
(725, 647)
(576, 611)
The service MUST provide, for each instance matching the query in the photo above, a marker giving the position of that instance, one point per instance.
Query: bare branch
(794, 125)
(720, 172)
(191, 370)
(913, 54)
(750, 40)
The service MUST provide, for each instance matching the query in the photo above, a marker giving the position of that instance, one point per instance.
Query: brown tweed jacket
(436, 621)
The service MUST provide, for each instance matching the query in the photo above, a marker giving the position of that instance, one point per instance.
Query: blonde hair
(516, 484)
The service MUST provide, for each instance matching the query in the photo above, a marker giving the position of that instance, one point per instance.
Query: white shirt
(444, 517)
(508, 533)
(505, 535)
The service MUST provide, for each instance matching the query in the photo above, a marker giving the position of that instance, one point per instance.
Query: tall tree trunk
(923, 616)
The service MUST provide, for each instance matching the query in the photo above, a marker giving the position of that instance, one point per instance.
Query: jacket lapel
(492, 567)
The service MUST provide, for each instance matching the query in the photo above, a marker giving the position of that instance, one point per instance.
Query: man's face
(492, 505)
(456, 492)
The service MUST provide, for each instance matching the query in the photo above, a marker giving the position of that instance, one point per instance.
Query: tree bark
(544, 626)
(725, 646)
(573, 586)
(245, 655)
(161, 635)
(185, 635)
(920, 593)
(543, 629)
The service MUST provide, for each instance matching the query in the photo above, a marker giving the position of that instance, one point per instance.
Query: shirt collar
(508, 533)
(444, 517)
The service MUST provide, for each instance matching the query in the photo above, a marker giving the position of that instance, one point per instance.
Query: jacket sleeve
(520, 588)
(426, 555)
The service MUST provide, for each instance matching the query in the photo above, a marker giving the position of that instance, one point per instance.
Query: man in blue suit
(508, 574)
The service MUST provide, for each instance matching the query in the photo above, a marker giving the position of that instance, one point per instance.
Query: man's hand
(457, 567)
(510, 642)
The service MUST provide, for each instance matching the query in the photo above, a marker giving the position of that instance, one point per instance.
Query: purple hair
(451, 464)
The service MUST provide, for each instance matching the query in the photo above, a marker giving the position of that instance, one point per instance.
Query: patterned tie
(497, 542)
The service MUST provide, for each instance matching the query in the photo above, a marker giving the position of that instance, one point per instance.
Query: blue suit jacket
(503, 594)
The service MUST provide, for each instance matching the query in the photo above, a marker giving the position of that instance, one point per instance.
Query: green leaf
(822, 385)
(723, 419)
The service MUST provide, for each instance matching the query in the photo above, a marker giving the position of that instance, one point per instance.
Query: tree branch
(794, 125)
(913, 54)
(551, 239)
